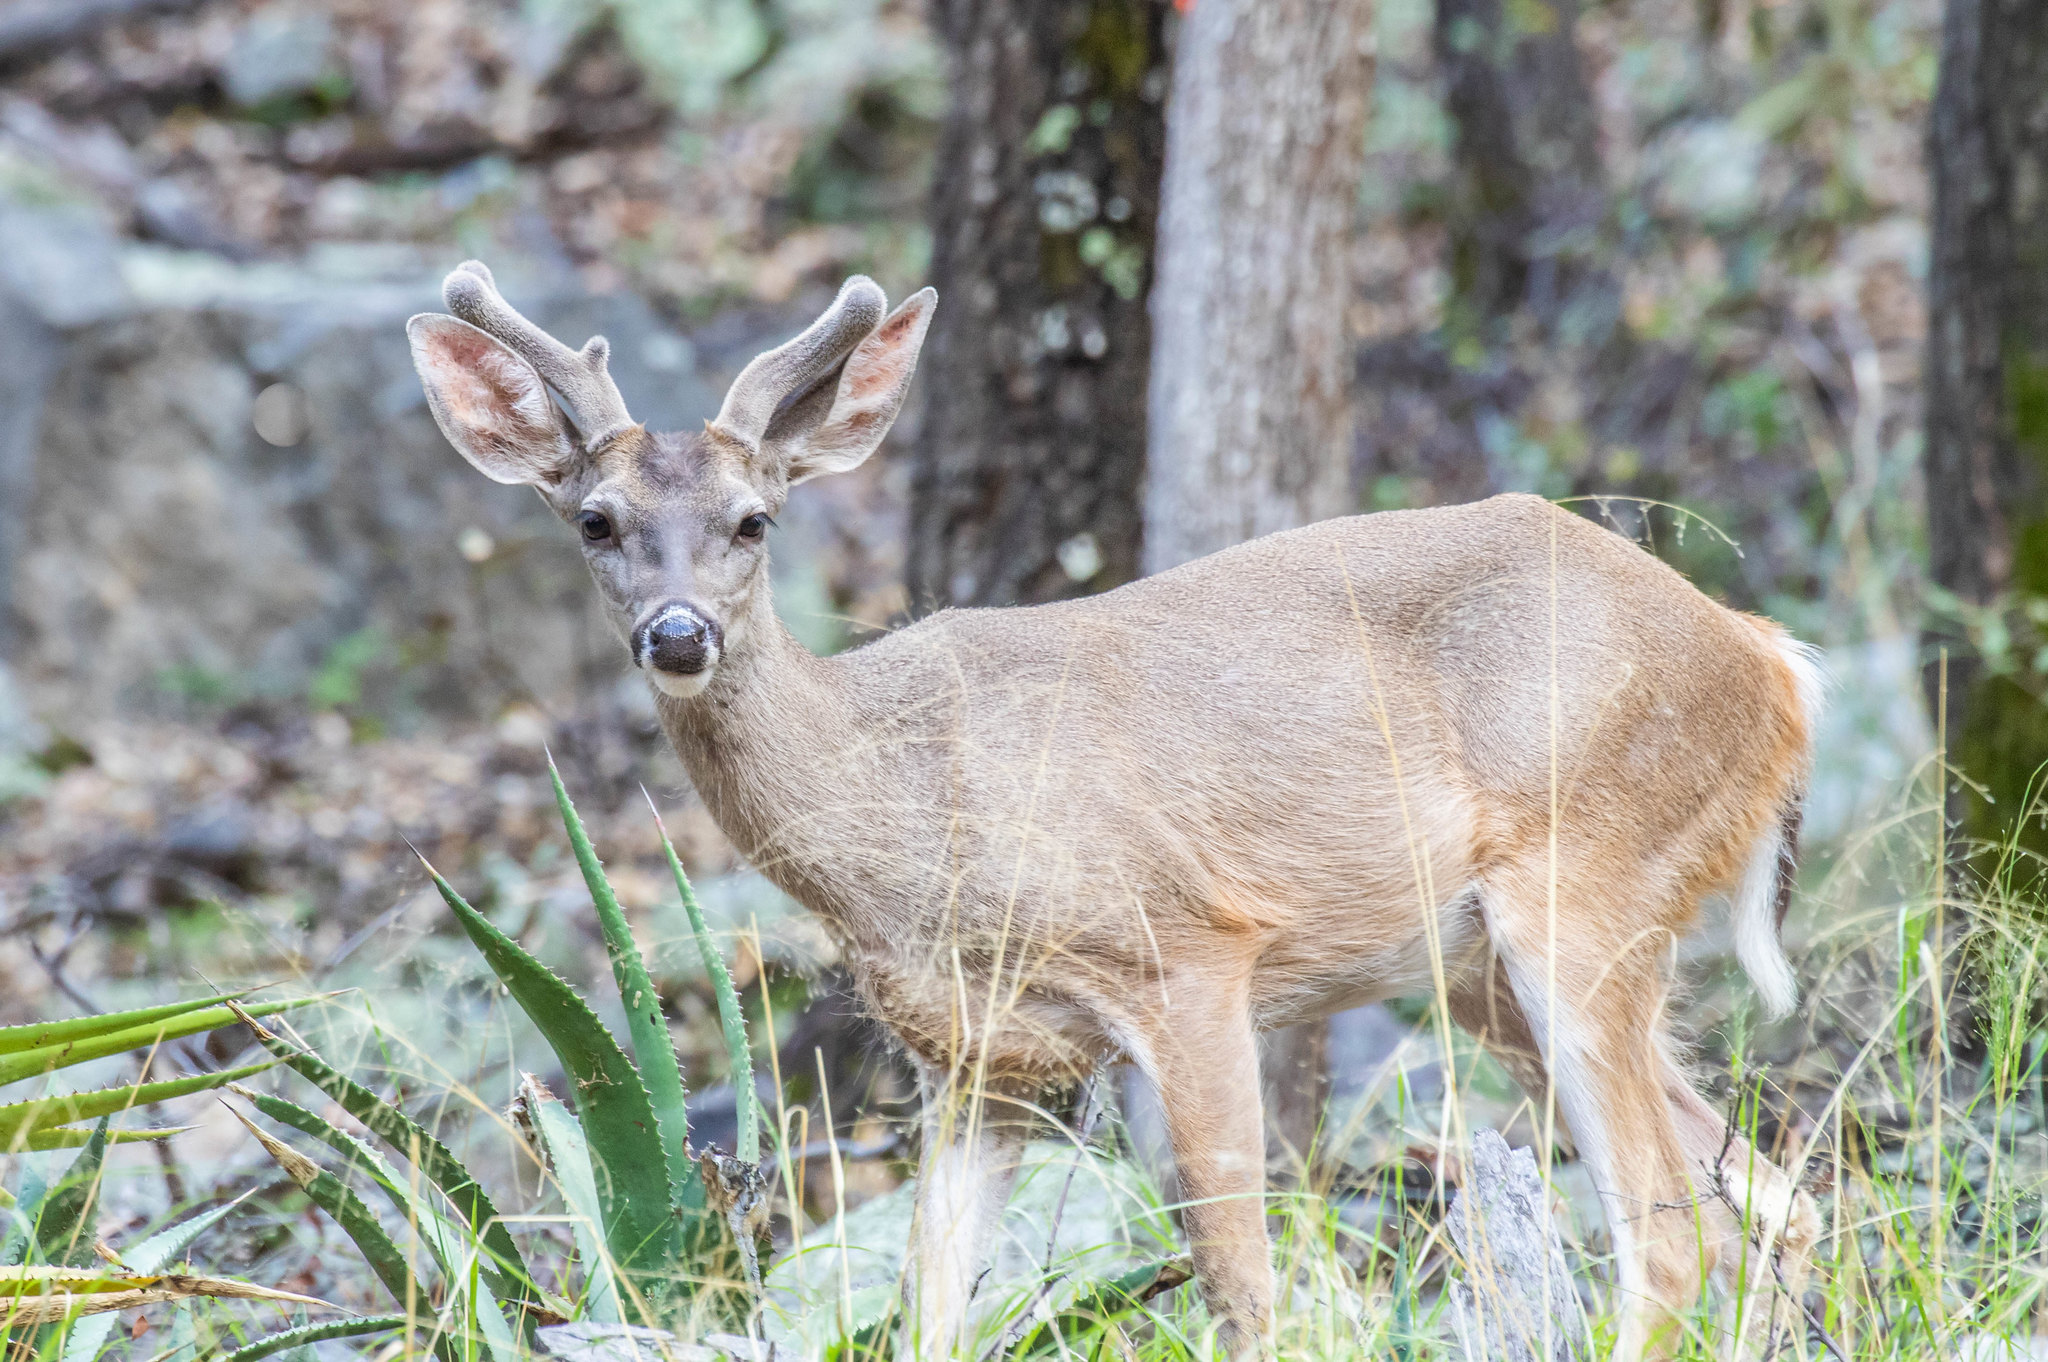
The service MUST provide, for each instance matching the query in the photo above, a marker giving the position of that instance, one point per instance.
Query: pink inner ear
(879, 362)
(491, 404)
(487, 388)
(494, 394)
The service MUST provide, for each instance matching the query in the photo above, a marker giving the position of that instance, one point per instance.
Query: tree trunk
(1987, 398)
(1251, 376)
(1526, 196)
(1533, 311)
(1250, 399)
(1026, 475)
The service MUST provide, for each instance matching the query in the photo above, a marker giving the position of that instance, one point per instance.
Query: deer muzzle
(677, 646)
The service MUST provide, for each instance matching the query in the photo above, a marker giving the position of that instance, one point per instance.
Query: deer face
(673, 527)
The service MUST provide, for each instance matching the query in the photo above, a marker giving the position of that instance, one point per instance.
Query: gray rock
(283, 49)
(61, 261)
(2000, 1348)
(1088, 1215)
(592, 1342)
(743, 1349)
(153, 546)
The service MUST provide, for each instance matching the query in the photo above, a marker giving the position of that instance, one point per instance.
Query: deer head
(673, 525)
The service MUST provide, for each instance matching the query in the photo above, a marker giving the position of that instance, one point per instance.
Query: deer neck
(765, 740)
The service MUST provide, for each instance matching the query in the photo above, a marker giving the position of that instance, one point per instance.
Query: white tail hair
(1767, 880)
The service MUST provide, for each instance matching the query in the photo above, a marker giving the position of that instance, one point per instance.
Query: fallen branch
(1518, 1302)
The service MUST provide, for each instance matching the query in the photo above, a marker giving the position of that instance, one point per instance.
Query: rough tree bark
(1987, 396)
(1251, 373)
(1026, 474)
(1250, 401)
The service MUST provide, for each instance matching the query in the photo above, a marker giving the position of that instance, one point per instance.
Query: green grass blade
(62, 1109)
(314, 1333)
(645, 1026)
(357, 1221)
(618, 1118)
(1100, 1303)
(569, 1156)
(43, 1058)
(504, 1265)
(90, 1334)
(730, 1019)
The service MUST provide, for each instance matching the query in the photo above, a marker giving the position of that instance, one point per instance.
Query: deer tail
(1766, 889)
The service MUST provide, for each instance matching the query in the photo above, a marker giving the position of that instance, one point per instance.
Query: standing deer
(1491, 753)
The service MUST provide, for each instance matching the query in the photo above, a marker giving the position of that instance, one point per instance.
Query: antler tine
(795, 365)
(580, 377)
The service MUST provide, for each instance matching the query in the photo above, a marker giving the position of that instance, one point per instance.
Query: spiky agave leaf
(63, 1233)
(41, 1141)
(313, 1333)
(106, 1038)
(503, 1264)
(732, 1021)
(454, 1251)
(568, 1157)
(654, 1053)
(385, 1258)
(24, 1119)
(631, 1166)
(148, 1256)
(43, 1035)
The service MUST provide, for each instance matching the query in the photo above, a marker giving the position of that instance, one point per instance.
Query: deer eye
(753, 527)
(596, 528)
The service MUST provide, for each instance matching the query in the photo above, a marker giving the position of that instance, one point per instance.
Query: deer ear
(841, 421)
(490, 403)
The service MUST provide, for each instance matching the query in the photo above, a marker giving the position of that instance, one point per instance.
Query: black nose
(678, 640)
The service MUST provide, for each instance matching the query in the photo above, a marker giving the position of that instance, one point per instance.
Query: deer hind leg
(1594, 1016)
(1204, 1061)
(1766, 1226)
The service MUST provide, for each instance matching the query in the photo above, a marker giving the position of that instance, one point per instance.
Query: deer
(1496, 754)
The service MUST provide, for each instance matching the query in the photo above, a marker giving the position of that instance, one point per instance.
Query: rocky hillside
(218, 481)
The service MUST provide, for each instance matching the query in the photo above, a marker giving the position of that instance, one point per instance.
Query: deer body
(1093, 777)
(1491, 750)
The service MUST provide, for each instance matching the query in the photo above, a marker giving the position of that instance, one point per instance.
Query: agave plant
(58, 1284)
(663, 1231)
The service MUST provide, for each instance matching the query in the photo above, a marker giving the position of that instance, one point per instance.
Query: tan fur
(1490, 746)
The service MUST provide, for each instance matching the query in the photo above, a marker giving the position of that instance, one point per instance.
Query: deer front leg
(973, 1139)
(1205, 1063)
